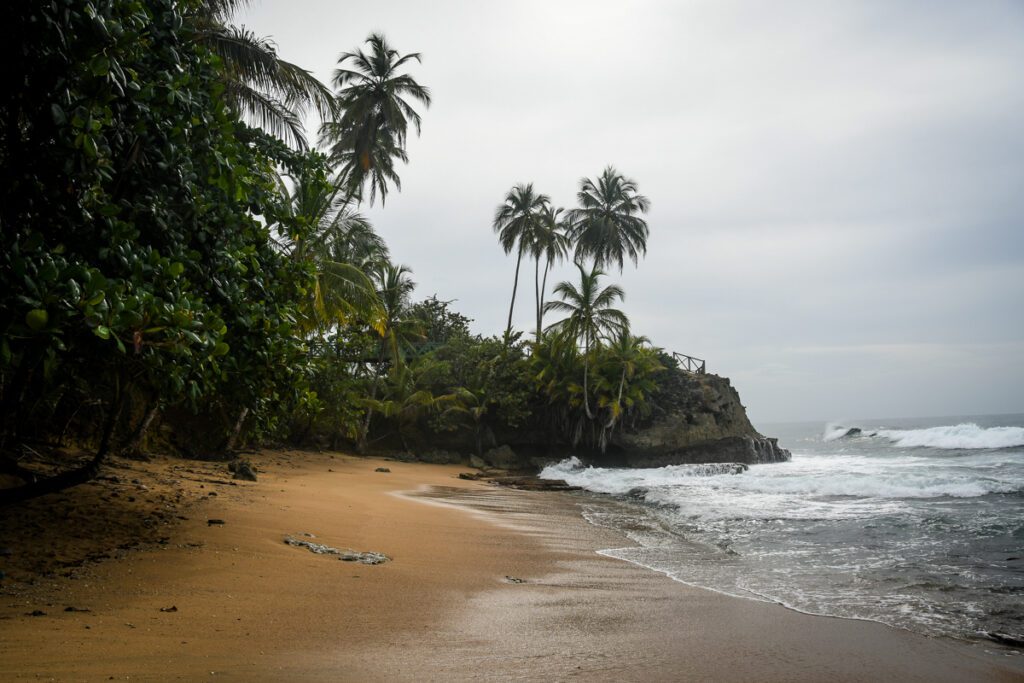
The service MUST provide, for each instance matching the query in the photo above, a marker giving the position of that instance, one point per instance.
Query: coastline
(483, 583)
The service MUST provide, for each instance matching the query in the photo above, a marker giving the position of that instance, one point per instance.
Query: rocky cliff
(695, 419)
(700, 419)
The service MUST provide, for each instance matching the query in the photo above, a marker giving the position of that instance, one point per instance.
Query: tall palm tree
(263, 88)
(374, 113)
(517, 223)
(607, 226)
(590, 316)
(551, 244)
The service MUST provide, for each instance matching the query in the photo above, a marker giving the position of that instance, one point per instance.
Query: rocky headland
(696, 418)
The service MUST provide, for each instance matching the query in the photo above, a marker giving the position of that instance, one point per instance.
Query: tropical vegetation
(179, 271)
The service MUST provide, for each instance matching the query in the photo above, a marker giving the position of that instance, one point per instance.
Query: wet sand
(484, 584)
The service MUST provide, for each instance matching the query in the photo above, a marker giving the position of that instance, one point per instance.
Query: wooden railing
(690, 364)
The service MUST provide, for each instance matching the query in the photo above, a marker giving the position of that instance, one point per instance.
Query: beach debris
(69, 608)
(172, 608)
(215, 522)
(242, 469)
(382, 469)
(346, 555)
(514, 579)
(35, 613)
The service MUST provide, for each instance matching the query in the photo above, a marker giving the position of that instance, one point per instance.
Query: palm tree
(607, 225)
(375, 113)
(634, 361)
(329, 234)
(399, 331)
(517, 223)
(263, 88)
(552, 245)
(590, 316)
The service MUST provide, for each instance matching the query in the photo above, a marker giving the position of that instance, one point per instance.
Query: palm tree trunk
(361, 443)
(543, 289)
(618, 399)
(536, 292)
(515, 286)
(586, 373)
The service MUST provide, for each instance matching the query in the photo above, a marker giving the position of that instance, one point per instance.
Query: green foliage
(130, 244)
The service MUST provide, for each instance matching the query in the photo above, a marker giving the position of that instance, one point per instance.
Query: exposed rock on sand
(343, 555)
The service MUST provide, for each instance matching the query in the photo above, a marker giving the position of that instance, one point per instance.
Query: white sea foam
(899, 526)
(622, 480)
(807, 487)
(966, 436)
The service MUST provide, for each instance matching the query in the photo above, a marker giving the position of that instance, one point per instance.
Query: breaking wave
(965, 436)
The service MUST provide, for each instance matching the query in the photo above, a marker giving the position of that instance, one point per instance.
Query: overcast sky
(837, 188)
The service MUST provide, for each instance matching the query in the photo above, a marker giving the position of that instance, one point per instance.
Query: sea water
(914, 523)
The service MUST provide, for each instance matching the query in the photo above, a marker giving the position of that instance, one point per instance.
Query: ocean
(916, 523)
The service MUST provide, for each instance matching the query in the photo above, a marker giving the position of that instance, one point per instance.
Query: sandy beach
(483, 584)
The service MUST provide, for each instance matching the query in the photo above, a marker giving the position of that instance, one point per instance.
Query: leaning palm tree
(332, 232)
(374, 113)
(590, 316)
(517, 223)
(260, 86)
(551, 244)
(634, 361)
(607, 226)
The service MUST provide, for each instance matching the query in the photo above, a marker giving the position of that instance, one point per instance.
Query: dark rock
(77, 609)
(706, 423)
(214, 522)
(1006, 638)
(503, 458)
(531, 483)
(35, 613)
(469, 476)
(475, 461)
(242, 469)
(6, 552)
(382, 469)
(514, 579)
(853, 431)
(440, 457)
(733, 450)
(172, 608)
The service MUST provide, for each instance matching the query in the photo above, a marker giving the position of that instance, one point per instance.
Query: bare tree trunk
(237, 430)
(135, 444)
(78, 475)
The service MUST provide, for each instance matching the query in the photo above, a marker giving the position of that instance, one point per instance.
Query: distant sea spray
(964, 436)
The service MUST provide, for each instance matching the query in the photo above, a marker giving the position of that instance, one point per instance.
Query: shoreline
(483, 583)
